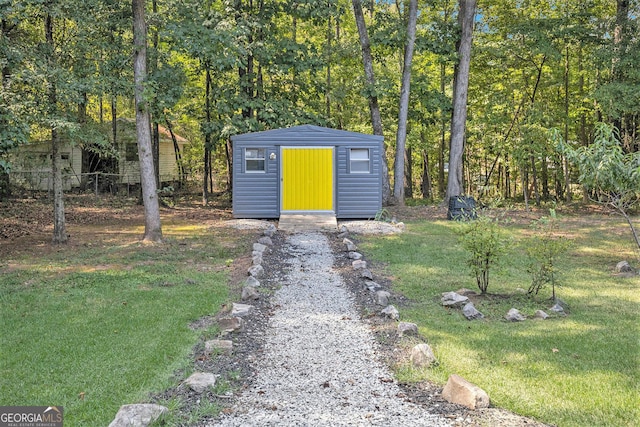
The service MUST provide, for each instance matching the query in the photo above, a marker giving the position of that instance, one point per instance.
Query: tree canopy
(222, 67)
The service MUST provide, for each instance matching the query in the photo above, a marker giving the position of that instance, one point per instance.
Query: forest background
(219, 68)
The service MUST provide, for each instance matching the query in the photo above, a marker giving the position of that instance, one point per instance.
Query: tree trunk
(443, 132)
(155, 127)
(228, 148)
(507, 178)
(544, 177)
(460, 87)
(426, 176)
(155, 144)
(534, 174)
(405, 89)
(408, 173)
(176, 151)
(374, 108)
(152, 226)
(565, 162)
(207, 135)
(327, 94)
(525, 186)
(59, 224)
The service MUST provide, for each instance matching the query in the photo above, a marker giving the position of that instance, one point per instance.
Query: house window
(131, 154)
(359, 161)
(254, 160)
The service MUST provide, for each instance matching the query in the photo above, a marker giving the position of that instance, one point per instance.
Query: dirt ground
(26, 223)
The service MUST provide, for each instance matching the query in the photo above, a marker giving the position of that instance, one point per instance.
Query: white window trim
(368, 161)
(263, 158)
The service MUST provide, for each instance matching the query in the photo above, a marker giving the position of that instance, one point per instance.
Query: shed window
(359, 160)
(254, 159)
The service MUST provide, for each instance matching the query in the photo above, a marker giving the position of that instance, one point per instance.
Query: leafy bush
(611, 175)
(485, 243)
(544, 249)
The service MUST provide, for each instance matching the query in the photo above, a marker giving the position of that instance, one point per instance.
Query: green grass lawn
(578, 370)
(95, 326)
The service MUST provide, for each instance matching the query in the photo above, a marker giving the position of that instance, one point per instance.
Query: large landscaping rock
(540, 315)
(382, 298)
(256, 259)
(265, 240)
(422, 356)
(557, 308)
(270, 231)
(624, 267)
(366, 274)
(252, 281)
(259, 247)
(256, 271)
(201, 381)
(471, 313)
(460, 391)
(453, 299)
(560, 307)
(231, 324)
(359, 264)
(223, 346)
(372, 286)
(407, 328)
(138, 415)
(241, 310)
(249, 293)
(514, 315)
(351, 247)
(391, 312)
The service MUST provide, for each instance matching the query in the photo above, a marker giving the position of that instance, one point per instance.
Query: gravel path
(319, 366)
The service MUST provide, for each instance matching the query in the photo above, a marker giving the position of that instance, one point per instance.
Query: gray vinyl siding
(256, 194)
(359, 194)
(356, 195)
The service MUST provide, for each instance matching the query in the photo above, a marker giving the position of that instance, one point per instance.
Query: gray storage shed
(307, 169)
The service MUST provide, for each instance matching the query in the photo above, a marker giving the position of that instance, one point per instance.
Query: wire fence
(98, 182)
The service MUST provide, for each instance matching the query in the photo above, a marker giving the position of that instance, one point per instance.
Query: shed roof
(305, 133)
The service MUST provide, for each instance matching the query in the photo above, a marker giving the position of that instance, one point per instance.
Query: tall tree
(372, 96)
(153, 228)
(405, 89)
(59, 224)
(466, 16)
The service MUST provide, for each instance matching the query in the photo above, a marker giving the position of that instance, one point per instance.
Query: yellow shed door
(307, 179)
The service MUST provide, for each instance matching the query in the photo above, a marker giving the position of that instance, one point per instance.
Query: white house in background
(31, 166)
(129, 165)
(31, 163)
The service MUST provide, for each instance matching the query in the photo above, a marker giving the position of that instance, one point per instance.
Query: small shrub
(544, 249)
(383, 215)
(485, 243)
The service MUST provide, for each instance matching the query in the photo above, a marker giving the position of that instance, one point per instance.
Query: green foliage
(612, 176)
(604, 166)
(282, 63)
(544, 250)
(485, 244)
(382, 215)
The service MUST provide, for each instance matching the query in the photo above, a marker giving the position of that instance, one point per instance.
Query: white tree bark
(152, 226)
(466, 15)
(59, 223)
(405, 89)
